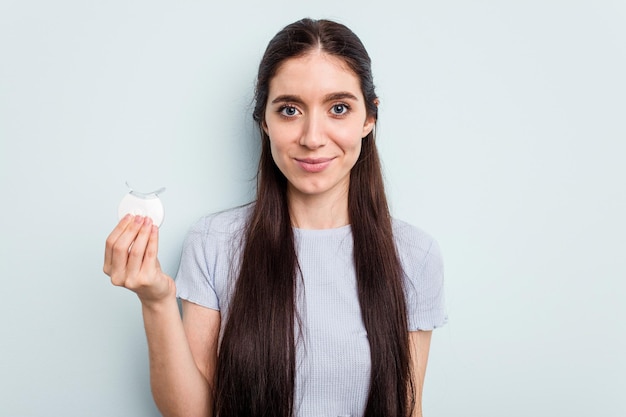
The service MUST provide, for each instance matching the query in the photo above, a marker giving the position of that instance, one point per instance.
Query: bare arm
(178, 386)
(419, 345)
(202, 327)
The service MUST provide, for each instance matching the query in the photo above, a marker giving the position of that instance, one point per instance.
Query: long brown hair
(257, 355)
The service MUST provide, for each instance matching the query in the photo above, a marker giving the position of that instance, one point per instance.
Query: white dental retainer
(142, 204)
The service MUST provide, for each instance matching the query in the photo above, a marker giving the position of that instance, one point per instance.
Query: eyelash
(281, 110)
(346, 107)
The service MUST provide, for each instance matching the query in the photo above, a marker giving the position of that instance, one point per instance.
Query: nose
(313, 134)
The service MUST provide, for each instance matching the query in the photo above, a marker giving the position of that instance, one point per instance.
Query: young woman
(312, 300)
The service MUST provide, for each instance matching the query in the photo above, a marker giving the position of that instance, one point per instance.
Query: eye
(288, 111)
(340, 109)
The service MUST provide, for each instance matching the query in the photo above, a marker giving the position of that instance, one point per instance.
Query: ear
(370, 121)
(264, 127)
(369, 124)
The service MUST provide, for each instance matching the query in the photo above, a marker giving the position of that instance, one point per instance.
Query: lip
(313, 164)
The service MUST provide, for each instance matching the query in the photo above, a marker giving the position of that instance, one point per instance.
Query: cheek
(273, 150)
(278, 154)
(282, 137)
(349, 138)
(278, 133)
(356, 150)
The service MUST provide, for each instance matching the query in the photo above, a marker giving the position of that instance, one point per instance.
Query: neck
(318, 212)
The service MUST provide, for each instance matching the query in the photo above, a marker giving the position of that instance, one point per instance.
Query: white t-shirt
(333, 357)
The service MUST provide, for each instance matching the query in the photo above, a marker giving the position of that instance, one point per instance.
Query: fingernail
(138, 219)
(147, 221)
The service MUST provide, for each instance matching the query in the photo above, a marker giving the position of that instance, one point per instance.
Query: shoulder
(220, 226)
(423, 268)
(418, 251)
(408, 236)
(222, 222)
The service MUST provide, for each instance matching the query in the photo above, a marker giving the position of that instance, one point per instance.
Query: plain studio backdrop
(502, 131)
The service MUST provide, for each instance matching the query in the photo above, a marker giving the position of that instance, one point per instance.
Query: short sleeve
(194, 280)
(424, 278)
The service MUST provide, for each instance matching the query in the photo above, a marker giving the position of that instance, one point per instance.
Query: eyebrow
(341, 95)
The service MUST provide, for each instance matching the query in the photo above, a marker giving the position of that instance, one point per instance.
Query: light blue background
(502, 128)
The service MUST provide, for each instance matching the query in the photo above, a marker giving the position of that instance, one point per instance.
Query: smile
(314, 164)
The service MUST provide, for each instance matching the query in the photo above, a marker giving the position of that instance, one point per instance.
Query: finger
(152, 250)
(112, 238)
(123, 243)
(137, 251)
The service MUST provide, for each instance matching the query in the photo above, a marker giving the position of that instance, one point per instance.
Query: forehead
(314, 73)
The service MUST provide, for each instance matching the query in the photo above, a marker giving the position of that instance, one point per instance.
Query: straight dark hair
(257, 354)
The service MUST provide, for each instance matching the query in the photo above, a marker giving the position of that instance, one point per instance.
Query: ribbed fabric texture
(333, 364)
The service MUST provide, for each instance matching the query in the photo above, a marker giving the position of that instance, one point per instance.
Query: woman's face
(315, 118)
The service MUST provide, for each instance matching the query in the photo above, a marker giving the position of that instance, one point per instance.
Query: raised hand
(130, 259)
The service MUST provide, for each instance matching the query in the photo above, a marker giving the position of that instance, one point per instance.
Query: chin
(312, 190)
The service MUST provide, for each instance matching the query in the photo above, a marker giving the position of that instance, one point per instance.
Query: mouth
(314, 164)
